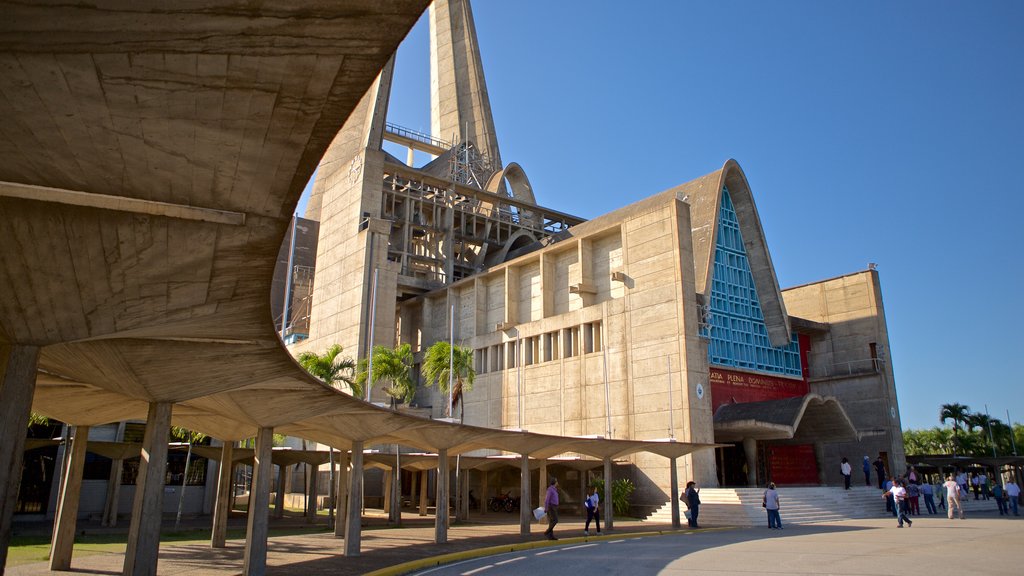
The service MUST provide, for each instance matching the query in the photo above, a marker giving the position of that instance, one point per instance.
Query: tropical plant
(622, 489)
(958, 413)
(331, 368)
(442, 363)
(37, 419)
(393, 365)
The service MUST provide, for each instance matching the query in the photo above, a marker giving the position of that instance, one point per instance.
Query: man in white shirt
(899, 495)
(847, 470)
(1013, 493)
(952, 497)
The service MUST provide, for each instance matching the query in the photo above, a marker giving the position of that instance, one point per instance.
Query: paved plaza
(985, 543)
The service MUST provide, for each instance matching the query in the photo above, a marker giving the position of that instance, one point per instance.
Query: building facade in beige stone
(615, 326)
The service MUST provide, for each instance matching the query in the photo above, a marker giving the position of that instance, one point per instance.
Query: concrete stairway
(798, 505)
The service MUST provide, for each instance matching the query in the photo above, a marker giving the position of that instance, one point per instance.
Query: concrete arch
(518, 240)
(519, 184)
(772, 306)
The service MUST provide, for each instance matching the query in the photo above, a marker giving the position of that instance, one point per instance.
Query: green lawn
(31, 549)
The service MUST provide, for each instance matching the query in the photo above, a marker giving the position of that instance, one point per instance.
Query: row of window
(546, 347)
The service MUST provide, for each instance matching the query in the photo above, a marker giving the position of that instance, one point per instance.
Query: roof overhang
(801, 419)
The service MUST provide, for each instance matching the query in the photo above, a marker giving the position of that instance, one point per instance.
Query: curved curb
(429, 562)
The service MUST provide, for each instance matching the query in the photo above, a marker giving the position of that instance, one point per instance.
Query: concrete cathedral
(663, 318)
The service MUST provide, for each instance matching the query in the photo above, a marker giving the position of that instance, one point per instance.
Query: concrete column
(819, 456)
(525, 507)
(342, 496)
(424, 477)
(441, 517)
(353, 531)
(259, 505)
(750, 451)
(609, 509)
(388, 474)
(144, 534)
(17, 385)
(279, 494)
(413, 487)
(395, 513)
(464, 494)
(483, 493)
(311, 496)
(222, 506)
(673, 474)
(542, 483)
(113, 485)
(67, 516)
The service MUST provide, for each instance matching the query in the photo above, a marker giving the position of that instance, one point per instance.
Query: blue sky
(869, 131)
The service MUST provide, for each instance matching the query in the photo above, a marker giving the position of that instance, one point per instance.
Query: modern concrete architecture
(660, 319)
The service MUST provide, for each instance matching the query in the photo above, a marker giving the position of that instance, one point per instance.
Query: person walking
(1000, 497)
(867, 471)
(880, 472)
(913, 498)
(592, 504)
(983, 480)
(551, 507)
(1013, 493)
(847, 471)
(770, 502)
(890, 504)
(927, 491)
(952, 497)
(899, 496)
(692, 498)
(976, 484)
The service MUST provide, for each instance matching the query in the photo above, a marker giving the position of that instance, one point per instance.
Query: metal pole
(1009, 423)
(288, 280)
(369, 349)
(671, 406)
(607, 394)
(451, 360)
(519, 379)
(990, 439)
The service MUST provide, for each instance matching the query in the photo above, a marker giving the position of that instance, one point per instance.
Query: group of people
(902, 495)
(591, 503)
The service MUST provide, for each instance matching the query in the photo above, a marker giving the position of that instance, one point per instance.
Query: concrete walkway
(984, 539)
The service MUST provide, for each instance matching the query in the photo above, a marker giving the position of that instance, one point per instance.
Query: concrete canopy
(150, 163)
(799, 419)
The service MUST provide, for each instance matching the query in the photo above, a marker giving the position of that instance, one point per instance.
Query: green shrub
(622, 489)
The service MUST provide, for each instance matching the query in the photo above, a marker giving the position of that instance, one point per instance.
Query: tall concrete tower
(391, 230)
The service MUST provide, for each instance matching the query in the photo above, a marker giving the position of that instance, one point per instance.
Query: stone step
(800, 505)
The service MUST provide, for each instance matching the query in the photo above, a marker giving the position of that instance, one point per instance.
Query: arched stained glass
(735, 329)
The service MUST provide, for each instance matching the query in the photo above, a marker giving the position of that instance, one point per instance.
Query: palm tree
(958, 413)
(395, 366)
(332, 369)
(442, 363)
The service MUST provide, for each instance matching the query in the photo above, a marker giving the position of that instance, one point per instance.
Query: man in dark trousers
(551, 507)
(880, 471)
(692, 499)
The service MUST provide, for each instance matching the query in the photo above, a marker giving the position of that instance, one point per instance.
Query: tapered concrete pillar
(110, 505)
(609, 510)
(750, 452)
(342, 496)
(353, 531)
(279, 493)
(819, 456)
(464, 480)
(313, 490)
(525, 507)
(424, 477)
(441, 517)
(673, 474)
(144, 534)
(259, 505)
(413, 487)
(483, 493)
(63, 543)
(388, 474)
(542, 483)
(17, 385)
(222, 506)
(395, 512)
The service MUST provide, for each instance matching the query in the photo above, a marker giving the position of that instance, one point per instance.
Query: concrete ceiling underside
(151, 157)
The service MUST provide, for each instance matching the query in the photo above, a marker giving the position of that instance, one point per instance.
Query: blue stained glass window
(735, 329)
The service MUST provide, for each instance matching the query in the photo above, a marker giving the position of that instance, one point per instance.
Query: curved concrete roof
(801, 418)
(150, 161)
